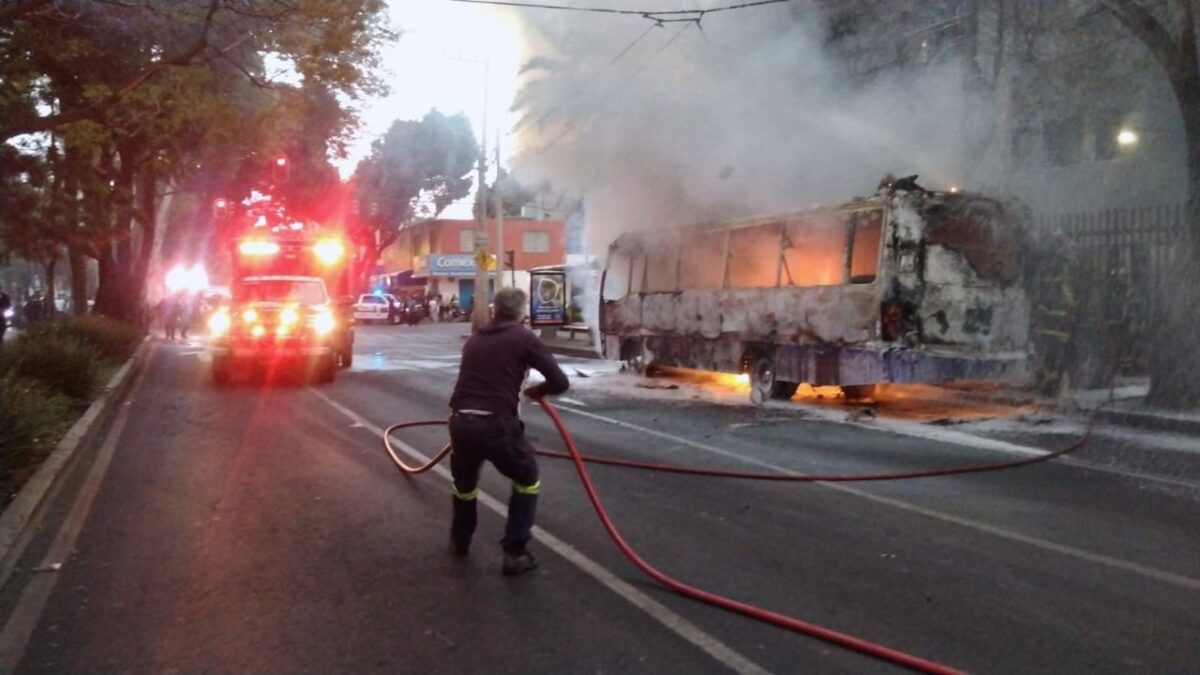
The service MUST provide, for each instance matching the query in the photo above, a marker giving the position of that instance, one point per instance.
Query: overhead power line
(574, 93)
(650, 14)
(569, 127)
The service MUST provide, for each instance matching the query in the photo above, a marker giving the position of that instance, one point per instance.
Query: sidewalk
(1124, 405)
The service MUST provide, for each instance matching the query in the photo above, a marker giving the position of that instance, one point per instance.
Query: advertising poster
(547, 298)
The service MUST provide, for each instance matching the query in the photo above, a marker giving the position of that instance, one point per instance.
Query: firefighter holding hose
(484, 425)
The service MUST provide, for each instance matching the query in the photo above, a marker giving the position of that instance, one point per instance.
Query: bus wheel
(764, 386)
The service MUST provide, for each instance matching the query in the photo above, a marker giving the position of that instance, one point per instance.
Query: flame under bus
(902, 287)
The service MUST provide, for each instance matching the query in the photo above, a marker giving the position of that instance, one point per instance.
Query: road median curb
(26, 510)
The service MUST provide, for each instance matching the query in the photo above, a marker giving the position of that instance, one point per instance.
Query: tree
(1169, 34)
(153, 98)
(415, 170)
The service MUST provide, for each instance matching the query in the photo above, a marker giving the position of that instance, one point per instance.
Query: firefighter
(484, 425)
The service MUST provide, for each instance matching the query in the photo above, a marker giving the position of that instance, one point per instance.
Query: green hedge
(63, 363)
(113, 339)
(47, 376)
(31, 417)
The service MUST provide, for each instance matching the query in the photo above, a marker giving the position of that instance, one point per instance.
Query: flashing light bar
(329, 251)
(253, 247)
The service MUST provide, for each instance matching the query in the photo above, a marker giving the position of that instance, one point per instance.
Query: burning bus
(906, 286)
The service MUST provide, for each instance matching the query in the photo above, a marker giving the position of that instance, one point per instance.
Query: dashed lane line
(656, 610)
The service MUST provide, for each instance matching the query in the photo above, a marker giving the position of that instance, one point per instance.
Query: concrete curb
(1152, 421)
(26, 511)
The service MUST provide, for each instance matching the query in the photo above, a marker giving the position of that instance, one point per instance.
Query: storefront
(450, 275)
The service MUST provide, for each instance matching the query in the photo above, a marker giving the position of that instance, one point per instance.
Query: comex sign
(452, 265)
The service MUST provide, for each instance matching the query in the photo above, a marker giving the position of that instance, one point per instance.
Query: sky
(424, 69)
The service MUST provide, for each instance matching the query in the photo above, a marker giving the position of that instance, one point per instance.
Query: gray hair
(510, 304)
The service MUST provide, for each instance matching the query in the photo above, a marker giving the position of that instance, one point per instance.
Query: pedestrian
(33, 310)
(170, 314)
(186, 312)
(434, 308)
(484, 425)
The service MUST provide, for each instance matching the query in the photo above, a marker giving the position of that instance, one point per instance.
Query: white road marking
(1098, 558)
(568, 399)
(656, 610)
(14, 637)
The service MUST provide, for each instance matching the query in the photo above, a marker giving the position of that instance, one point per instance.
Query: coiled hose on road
(758, 613)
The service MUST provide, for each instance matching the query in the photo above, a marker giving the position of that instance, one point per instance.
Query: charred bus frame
(902, 287)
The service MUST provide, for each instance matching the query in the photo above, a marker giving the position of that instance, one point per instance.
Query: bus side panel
(624, 316)
(825, 314)
(659, 313)
(697, 313)
(722, 354)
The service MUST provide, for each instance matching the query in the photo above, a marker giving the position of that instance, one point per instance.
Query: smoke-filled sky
(673, 123)
(743, 114)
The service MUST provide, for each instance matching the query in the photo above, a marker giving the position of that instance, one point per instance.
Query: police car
(382, 307)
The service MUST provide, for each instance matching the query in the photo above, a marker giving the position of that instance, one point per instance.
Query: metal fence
(1097, 287)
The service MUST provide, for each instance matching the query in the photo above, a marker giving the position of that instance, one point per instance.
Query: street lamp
(1127, 137)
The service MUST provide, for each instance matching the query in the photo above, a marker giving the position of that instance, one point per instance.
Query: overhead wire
(579, 89)
(631, 12)
(571, 127)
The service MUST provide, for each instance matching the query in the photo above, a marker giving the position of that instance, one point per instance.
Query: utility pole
(498, 203)
(480, 316)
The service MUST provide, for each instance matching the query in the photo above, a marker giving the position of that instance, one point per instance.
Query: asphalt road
(261, 528)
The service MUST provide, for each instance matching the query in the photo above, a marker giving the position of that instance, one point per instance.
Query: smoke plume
(742, 114)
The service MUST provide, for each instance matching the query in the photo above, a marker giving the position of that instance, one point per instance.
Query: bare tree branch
(1139, 21)
(18, 10)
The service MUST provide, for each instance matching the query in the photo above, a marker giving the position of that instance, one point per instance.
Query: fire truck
(290, 304)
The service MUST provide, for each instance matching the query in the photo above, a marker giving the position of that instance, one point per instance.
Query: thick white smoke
(744, 114)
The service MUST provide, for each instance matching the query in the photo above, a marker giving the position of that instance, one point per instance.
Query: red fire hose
(758, 613)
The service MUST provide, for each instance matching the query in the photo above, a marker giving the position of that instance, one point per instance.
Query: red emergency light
(258, 247)
(329, 251)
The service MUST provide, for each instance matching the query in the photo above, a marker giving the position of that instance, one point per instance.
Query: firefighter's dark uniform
(484, 426)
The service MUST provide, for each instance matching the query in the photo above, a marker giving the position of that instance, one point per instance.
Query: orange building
(437, 256)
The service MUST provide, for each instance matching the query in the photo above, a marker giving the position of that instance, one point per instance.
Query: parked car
(374, 308)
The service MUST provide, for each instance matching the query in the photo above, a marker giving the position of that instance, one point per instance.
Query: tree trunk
(147, 218)
(50, 265)
(77, 262)
(116, 265)
(107, 292)
(1175, 361)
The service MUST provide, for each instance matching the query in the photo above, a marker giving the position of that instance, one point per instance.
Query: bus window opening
(864, 250)
(814, 251)
(754, 256)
